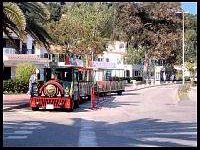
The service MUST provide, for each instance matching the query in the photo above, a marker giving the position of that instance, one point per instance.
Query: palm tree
(26, 17)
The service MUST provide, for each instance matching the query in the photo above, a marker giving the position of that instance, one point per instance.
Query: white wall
(115, 46)
(114, 58)
(114, 53)
(39, 50)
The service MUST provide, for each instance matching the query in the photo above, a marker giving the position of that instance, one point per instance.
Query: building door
(128, 73)
(7, 73)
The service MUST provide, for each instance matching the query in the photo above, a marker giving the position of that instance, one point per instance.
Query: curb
(19, 106)
(149, 87)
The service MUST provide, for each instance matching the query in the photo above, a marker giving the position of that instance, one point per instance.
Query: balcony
(7, 51)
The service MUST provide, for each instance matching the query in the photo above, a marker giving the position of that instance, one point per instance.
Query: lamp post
(183, 44)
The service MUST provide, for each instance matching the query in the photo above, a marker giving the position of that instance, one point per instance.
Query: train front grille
(43, 101)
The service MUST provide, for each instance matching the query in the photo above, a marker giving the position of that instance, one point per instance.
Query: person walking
(33, 79)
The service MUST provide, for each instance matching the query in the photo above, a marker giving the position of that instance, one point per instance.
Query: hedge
(15, 86)
(137, 78)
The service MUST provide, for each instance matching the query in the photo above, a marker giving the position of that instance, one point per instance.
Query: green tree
(82, 28)
(25, 17)
(55, 11)
(191, 68)
(134, 56)
(190, 40)
(24, 71)
(154, 26)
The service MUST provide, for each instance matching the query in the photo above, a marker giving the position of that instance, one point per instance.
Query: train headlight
(50, 90)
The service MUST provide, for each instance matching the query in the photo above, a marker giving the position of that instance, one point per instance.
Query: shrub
(15, 86)
(187, 78)
(179, 76)
(137, 78)
(24, 71)
(183, 90)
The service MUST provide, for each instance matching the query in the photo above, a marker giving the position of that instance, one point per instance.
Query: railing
(9, 51)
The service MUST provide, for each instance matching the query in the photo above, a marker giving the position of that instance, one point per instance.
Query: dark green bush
(187, 78)
(137, 78)
(179, 76)
(15, 86)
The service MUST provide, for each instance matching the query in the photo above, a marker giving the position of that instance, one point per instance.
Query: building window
(99, 59)
(4, 42)
(107, 59)
(61, 58)
(46, 55)
(136, 73)
(24, 48)
(118, 61)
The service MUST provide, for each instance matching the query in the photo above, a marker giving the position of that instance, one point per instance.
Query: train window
(80, 76)
(64, 74)
(47, 74)
(75, 75)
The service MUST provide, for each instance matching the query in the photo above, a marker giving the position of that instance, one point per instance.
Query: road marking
(7, 123)
(176, 133)
(36, 127)
(16, 137)
(32, 123)
(9, 127)
(87, 136)
(173, 140)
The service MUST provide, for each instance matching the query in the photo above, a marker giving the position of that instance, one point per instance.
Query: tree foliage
(24, 71)
(153, 25)
(26, 17)
(82, 28)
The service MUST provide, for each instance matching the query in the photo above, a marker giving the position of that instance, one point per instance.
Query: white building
(114, 56)
(21, 51)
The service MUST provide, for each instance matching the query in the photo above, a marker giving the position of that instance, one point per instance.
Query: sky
(190, 7)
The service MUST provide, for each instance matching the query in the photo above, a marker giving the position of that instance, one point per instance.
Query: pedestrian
(164, 76)
(172, 77)
(33, 79)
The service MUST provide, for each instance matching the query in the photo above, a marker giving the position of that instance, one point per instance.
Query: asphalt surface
(147, 117)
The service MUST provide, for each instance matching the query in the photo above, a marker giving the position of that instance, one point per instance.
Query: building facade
(16, 51)
(115, 53)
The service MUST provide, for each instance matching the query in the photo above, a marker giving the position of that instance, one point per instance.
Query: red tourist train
(68, 86)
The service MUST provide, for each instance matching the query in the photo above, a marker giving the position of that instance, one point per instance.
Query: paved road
(148, 117)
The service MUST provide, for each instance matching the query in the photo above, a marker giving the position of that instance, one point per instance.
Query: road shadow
(128, 93)
(138, 133)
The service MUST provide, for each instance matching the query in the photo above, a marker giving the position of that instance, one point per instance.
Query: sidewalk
(15, 101)
(131, 87)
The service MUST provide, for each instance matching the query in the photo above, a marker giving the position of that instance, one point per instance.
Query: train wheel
(70, 110)
(34, 108)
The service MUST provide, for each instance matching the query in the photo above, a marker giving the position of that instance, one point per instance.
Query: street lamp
(183, 44)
